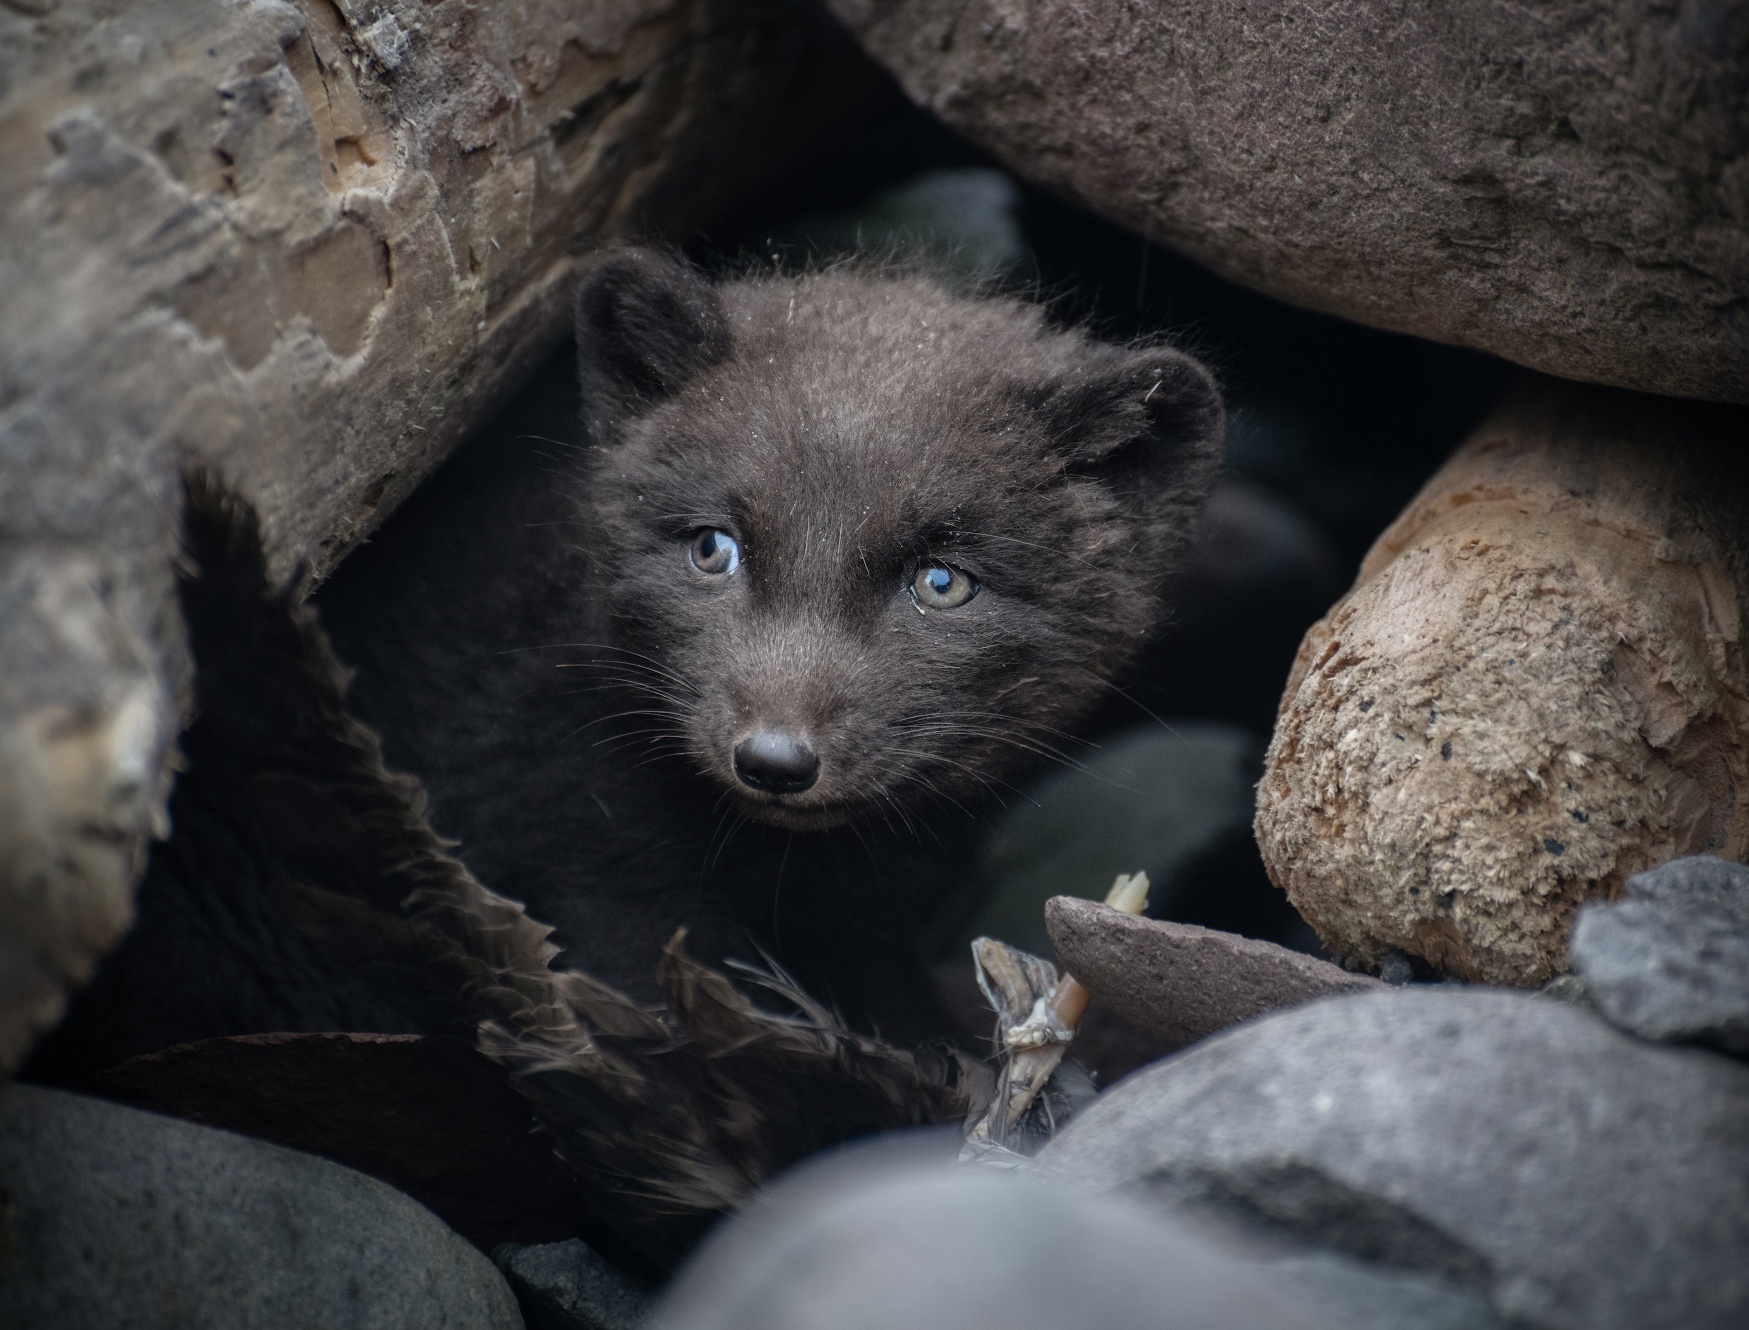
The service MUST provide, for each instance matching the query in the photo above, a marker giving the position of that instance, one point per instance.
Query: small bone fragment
(1033, 1045)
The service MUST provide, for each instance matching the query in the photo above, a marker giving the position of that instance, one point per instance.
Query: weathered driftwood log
(1536, 687)
(1567, 186)
(307, 245)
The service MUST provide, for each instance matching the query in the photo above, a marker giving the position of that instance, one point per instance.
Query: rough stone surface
(1182, 982)
(123, 1218)
(568, 1286)
(429, 1116)
(1536, 687)
(1671, 962)
(1566, 187)
(1515, 1147)
(874, 1240)
(308, 245)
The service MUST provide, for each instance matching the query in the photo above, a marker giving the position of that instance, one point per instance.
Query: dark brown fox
(835, 558)
(840, 555)
(831, 561)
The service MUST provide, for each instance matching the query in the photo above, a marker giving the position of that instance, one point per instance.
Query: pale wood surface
(1535, 688)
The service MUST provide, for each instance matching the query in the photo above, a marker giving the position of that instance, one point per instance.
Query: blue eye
(714, 552)
(939, 587)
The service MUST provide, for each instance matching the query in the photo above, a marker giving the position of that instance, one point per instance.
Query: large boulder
(1505, 1144)
(1565, 186)
(884, 1236)
(124, 1218)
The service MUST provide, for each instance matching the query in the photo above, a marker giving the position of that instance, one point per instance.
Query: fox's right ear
(646, 324)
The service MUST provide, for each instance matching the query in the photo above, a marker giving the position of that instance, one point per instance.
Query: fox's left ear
(1149, 422)
(647, 324)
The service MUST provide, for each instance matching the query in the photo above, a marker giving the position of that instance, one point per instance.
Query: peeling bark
(307, 246)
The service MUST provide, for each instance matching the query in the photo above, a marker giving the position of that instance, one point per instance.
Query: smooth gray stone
(1515, 1147)
(1362, 1296)
(877, 1239)
(568, 1286)
(128, 1219)
(1671, 961)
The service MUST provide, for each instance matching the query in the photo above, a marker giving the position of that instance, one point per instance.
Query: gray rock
(1568, 988)
(879, 1238)
(1363, 1296)
(1149, 800)
(568, 1286)
(1566, 187)
(1671, 961)
(1511, 1147)
(124, 1218)
(1183, 982)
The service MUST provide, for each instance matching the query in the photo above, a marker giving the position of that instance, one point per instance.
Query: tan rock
(1535, 688)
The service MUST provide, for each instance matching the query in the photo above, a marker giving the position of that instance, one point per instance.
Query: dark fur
(533, 644)
(304, 890)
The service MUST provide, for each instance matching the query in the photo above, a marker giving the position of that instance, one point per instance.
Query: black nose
(776, 762)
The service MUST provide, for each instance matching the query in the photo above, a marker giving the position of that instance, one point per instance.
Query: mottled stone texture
(1565, 185)
(1535, 688)
(1671, 962)
(307, 245)
(1514, 1147)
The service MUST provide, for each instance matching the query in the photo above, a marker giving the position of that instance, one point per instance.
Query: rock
(1569, 190)
(427, 1115)
(1181, 982)
(123, 1218)
(1150, 799)
(879, 1238)
(567, 1286)
(1530, 693)
(1513, 1148)
(1361, 1296)
(1671, 962)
